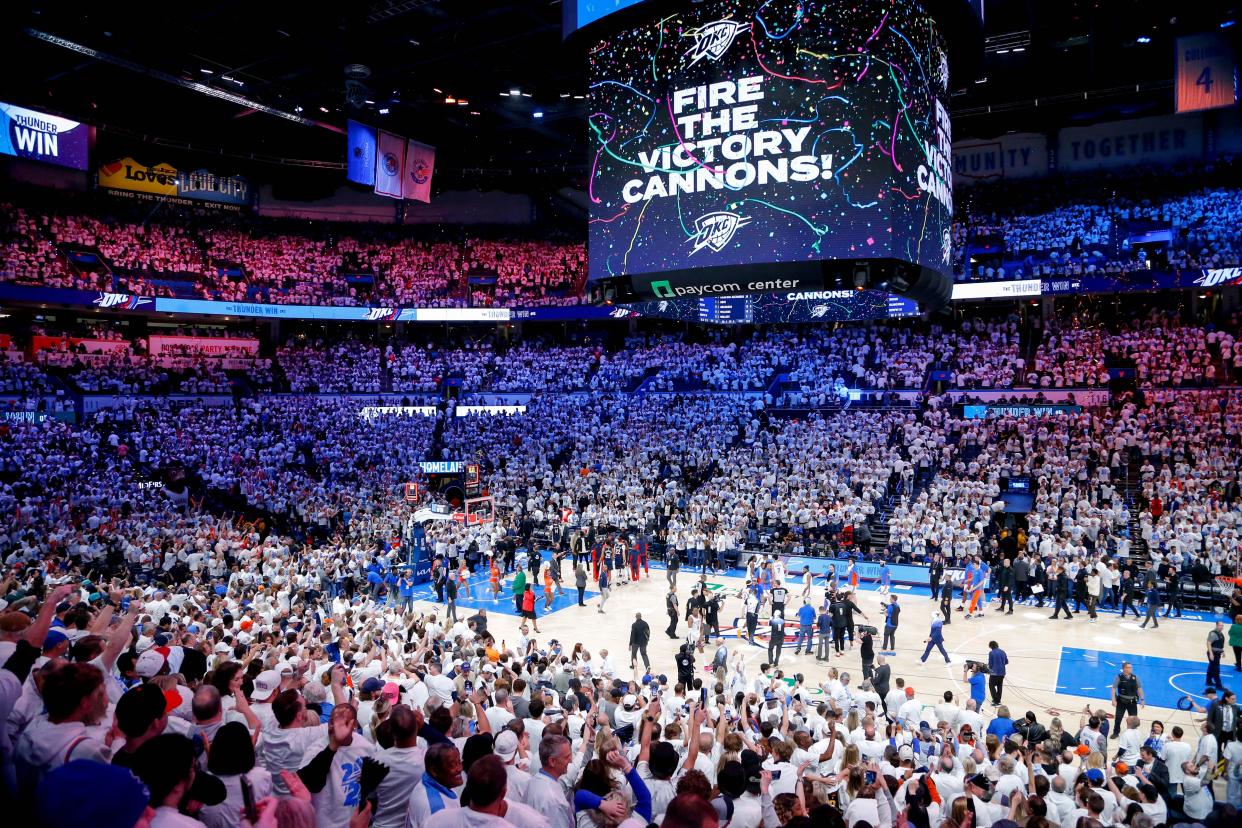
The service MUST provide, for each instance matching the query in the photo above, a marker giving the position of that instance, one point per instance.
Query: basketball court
(1053, 665)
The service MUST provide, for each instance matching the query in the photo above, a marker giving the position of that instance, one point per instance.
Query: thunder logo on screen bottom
(760, 131)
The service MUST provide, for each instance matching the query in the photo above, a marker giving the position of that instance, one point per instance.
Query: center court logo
(715, 230)
(714, 39)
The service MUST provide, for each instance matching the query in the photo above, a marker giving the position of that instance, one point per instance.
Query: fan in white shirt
(1174, 753)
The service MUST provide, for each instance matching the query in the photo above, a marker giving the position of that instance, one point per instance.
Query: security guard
(1127, 696)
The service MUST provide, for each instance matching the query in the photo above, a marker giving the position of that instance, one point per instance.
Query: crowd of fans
(1011, 230)
(1083, 225)
(800, 367)
(233, 259)
(213, 599)
(206, 616)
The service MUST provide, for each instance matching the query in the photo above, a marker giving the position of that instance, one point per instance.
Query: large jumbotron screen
(753, 132)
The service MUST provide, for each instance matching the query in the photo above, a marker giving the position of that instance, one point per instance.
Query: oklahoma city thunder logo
(715, 230)
(714, 39)
(119, 300)
(382, 314)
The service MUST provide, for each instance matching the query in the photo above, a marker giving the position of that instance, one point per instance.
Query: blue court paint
(481, 598)
(1090, 673)
(794, 584)
(481, 591)
(559, 602)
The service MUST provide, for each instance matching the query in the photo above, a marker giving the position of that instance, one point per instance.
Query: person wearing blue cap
(55, 644)
(83, 792)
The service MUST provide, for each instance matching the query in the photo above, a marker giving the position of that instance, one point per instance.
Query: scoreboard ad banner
(755, 132)
(126, 175)
(25, 133)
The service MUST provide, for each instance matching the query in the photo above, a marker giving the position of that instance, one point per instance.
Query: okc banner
(420, 162)
(1206, 72)
(389, 163)
(360, 157)
(26, 133)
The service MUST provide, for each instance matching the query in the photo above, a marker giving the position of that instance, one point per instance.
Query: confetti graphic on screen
(753, 132)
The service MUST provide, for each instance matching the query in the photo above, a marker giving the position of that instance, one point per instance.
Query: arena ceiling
(396, 63)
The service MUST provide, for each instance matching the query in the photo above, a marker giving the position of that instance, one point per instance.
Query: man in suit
(1151, 586)
(640, 634)
(670, 603)
(1039, 577)
(1006, 581)
(880, 681)
(934, 573)
(1060, 591)
(1021, 575)
(776, 638)
(1173, 589)
(1224, 720)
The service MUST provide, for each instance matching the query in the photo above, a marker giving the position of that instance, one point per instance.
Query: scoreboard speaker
(931, 289)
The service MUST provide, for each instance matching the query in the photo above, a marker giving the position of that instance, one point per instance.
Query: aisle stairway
(1130, 485)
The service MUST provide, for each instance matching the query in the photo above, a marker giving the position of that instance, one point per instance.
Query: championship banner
(420, 163)
(360, 155)
(25, 133)
(1206, 72)
(389, 163)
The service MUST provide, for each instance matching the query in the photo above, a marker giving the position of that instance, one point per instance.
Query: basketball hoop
(1226, 582)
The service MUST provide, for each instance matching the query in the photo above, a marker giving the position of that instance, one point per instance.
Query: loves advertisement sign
(126, 175)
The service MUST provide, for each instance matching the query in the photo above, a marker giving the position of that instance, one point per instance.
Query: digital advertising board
(734, 135)
(26, 133)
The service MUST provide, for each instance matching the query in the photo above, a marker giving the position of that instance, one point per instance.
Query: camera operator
(975, 674)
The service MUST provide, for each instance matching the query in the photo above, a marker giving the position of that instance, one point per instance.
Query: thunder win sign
(25, 133)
